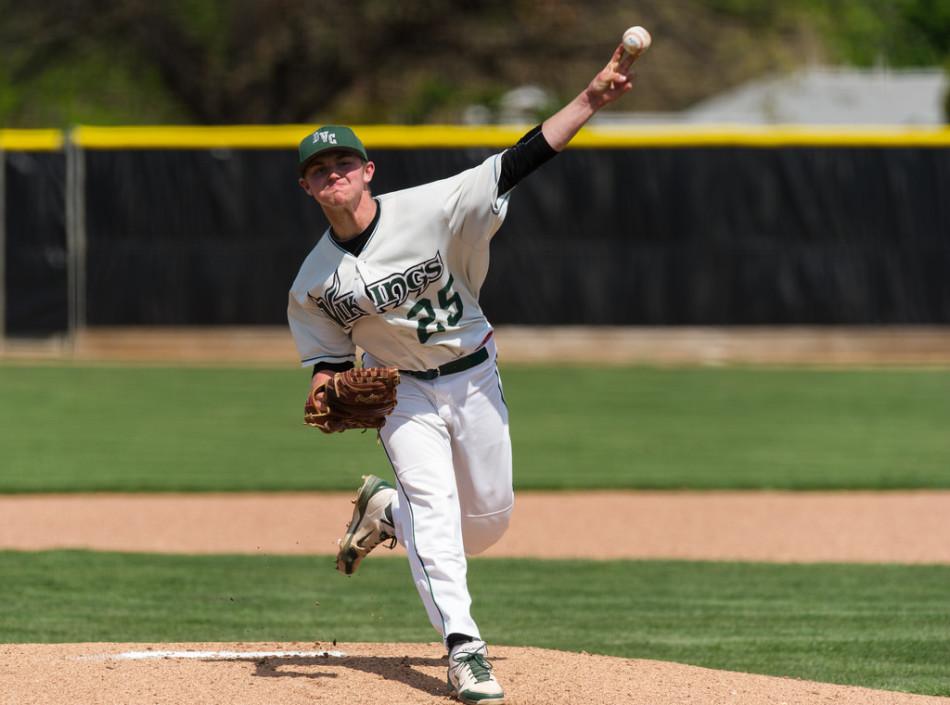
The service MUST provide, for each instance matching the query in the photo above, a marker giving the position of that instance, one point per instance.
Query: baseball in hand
(636, 40)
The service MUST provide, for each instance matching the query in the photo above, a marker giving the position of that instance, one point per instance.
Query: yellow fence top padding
(786, 136)
(289, 136)
(414, 136)
(31, 140)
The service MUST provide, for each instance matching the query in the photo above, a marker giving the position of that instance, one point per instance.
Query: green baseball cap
(326, 138)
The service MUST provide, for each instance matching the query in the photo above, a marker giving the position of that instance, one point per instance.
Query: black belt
(450, 368)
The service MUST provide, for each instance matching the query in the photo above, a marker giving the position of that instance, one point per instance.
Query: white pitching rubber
(211, 655)
(636, 40)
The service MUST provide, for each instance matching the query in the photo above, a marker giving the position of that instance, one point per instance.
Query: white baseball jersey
(410, 297)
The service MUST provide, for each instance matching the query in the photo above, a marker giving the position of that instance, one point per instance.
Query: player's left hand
(615, 79)
(356, 398)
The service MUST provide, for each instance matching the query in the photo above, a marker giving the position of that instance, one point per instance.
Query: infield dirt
(870, 527)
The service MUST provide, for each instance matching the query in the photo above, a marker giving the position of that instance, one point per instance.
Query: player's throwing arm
(611, 82)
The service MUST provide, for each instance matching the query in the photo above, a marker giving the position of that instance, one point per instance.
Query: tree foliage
(275, 61)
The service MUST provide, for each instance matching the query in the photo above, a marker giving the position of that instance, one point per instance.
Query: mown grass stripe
(241, 429)
(879, 626)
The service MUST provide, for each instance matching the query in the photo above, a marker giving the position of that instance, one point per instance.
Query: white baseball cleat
(470, 675)
(371, 525)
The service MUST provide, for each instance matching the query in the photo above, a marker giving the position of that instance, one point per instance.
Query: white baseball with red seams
(636, 40)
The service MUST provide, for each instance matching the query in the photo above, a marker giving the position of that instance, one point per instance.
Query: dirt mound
(355, 674)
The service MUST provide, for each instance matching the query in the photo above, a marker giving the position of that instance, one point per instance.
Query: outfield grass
(126, 428)
(878, 626)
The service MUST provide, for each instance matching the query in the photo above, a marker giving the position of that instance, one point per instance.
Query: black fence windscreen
(729, 236)
(193, 236)
(35, 252)
(658, 236)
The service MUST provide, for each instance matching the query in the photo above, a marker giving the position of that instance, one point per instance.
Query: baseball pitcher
(399, 275)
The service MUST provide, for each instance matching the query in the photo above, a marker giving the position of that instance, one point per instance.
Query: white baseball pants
(449, 446)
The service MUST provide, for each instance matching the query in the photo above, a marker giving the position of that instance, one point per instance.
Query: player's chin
(334, 197)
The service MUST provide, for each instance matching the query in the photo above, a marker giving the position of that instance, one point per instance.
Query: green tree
(275, 61)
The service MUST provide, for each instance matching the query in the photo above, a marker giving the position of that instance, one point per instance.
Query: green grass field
(117, 428)
(880, 626)
(114, 428)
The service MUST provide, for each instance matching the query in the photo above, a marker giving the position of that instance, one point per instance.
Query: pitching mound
(355, 674)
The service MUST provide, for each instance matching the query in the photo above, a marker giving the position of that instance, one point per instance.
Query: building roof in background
(818, 96)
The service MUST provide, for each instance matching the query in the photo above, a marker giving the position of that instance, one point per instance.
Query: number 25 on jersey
(449, 301)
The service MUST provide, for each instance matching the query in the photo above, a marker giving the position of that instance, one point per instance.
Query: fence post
(75, 236)
(3, 248)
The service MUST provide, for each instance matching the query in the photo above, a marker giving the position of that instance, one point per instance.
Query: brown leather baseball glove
(356, 398)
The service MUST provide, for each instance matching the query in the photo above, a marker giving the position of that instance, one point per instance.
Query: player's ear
(304, 185)
(368, 170)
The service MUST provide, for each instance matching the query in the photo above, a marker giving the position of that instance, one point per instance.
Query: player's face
(337, 179)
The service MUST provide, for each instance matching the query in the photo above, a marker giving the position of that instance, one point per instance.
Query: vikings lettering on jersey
(342, 308)
(395, 289)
